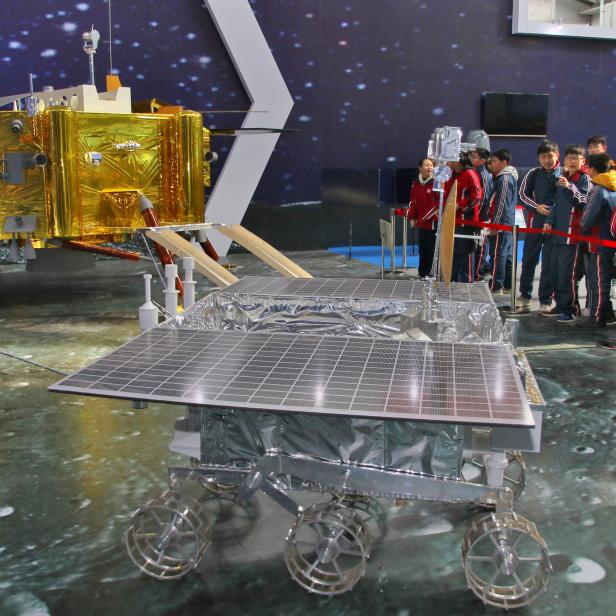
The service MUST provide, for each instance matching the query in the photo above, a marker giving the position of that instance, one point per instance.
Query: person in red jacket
(468, 201)
(423, 214)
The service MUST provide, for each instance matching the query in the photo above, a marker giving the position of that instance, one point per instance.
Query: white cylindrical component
(171, 272)
(29, 252)
(189, 293)
(189, 265)
(189, 284)
(148, 312)
(495, 464)
(171, 295)
(13, 250)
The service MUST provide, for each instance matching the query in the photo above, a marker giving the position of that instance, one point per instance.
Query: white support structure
(148, 312)
(171, 294)
(189, 284)
(80, 98)
(269, 95)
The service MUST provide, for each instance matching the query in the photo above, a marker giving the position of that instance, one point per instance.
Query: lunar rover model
(354, 390)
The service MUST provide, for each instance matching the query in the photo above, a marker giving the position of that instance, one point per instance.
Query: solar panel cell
(390, 379)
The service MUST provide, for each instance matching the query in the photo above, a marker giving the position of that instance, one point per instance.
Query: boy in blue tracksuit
(572, 188)
(537, 192)
(502, 212)
(480, 158)
(596, 219)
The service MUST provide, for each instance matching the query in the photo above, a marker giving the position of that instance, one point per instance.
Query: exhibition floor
(73, 469)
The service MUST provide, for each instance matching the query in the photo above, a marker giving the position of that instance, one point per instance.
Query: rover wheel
(372, 514)
(327, 549)
(506, 560)
(168, 535)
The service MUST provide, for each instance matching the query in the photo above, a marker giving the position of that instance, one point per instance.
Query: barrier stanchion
(405, 238)
(514, 267)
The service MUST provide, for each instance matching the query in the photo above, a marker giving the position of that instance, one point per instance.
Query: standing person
(598, 213)
(537, 196)
(468, 200)
(571, 192)
(502, 212)
(423, 215)
(596, 144)
(480, 158)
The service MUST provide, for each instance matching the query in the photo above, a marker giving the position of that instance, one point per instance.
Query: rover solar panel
(358, 288)
(385, 379)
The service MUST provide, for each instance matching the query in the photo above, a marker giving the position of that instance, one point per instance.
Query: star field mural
(370, 79)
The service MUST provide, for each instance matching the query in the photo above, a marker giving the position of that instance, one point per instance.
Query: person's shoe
(522, 304)
(585, 312)
(569, 319)
(610, 319)
(497, 293)
(545, 309)
(550, 312)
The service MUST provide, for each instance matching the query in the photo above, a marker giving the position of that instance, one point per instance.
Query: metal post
(405, 232)
(514, 267)
(350, 232)
(435, 261)
(392, 246)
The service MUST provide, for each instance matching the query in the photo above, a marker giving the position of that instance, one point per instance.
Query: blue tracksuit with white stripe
(502, 212)
(567, 257)
(596, 220)
(537, 188)
(482, 251)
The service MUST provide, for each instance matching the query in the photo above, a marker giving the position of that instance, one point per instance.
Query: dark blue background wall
(370, 79)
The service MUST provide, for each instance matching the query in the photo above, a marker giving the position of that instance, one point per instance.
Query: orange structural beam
(108, 251)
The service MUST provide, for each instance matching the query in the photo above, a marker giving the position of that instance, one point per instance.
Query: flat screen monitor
(507, 114)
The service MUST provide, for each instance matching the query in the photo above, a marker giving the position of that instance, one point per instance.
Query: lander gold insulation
(121, 169)
(65, 216)
(21, 199)
(190, 196)
(98, 162)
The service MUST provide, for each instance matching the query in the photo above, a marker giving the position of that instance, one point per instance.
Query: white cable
(110, 38)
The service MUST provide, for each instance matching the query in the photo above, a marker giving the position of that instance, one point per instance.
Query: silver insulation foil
(374, 318)
(236, 438)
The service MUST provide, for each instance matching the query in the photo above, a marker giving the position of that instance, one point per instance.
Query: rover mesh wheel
(327, 549)
(372, 514)
(506, 560)
(168, 535)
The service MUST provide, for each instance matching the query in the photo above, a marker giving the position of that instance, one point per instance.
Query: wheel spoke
(156, 517)
(494, 578)
(312, 567)
(530, 559)
(348, 552)
(143, 535)
(518, 581)
(519, 538)
(482, 559)
(493, 539)
(337, 568)
(161, 555)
